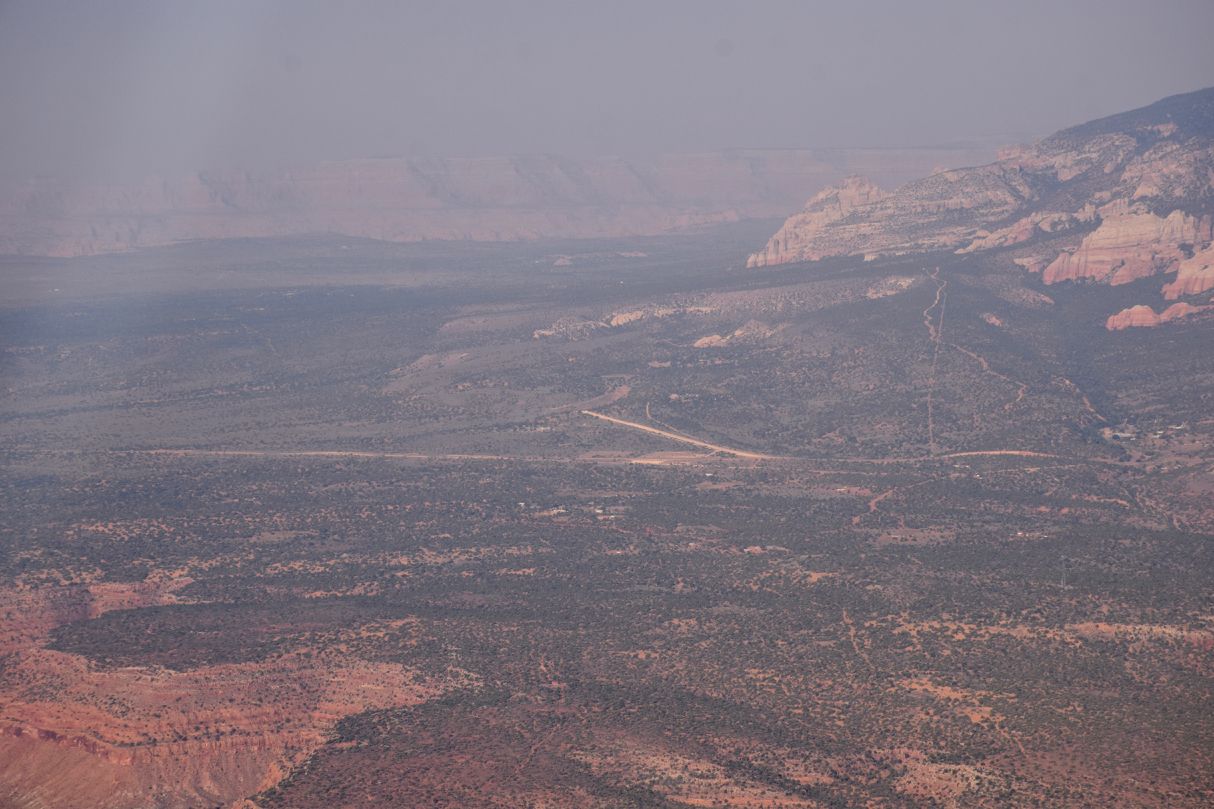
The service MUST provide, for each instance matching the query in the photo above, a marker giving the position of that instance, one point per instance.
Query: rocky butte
(480, 199)
(1111, 201)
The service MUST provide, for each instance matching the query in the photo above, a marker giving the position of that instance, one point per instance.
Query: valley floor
(601, 524)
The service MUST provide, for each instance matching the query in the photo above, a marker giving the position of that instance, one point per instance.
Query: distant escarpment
(1111, 201)
(481, 199)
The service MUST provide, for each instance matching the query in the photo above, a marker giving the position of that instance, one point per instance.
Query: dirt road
(695, 442)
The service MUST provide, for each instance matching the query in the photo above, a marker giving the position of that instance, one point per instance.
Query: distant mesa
(478, 199)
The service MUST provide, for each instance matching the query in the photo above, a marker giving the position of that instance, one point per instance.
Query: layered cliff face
(1135, 189)
(1194, 275)
(1130, 243)
(935, 215)
(798, 237)
(73, 733)
(1140, 316)
(498, 198)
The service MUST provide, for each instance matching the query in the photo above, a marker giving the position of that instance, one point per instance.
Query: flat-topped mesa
(1140, 183)
(482, 199)
(795, 240)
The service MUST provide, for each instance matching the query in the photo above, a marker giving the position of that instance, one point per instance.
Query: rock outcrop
(1194, 275)
(1138, 187)
(484, 199)
(797, 240)
(1142, 316)
(752, 331)
(1130, 243)
(943, 211)
(1027, 227)
(73, 733)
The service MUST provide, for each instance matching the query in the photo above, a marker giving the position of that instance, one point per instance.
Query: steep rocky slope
(496, 198)
(76, 734)
(1110, 201)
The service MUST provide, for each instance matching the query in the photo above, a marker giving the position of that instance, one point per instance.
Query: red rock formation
(73, 734)
(796, 240)
(1144, 316)
(1142, 182)
(1146, 177)
(1028, 227)
(1181, 310)
(202, 737)
(1194, 275)
(1174, 168)
(943, 211)
(1134, 317)
(1130, 243)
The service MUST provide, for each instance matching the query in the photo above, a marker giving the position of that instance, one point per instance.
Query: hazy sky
(116, 88)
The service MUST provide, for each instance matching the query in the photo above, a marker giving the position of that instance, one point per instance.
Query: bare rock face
(1140, 316)
(1027, 227)
(1178, 311)
(1139, 185)
(1130, 243)
(73, 733)
(943, 211)
(483, 199)
(1194, 275)
(1144, 316)
(798, 239)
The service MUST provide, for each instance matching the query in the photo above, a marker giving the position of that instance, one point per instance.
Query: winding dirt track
(695, 442)
(1022, 388)
(934, 332)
